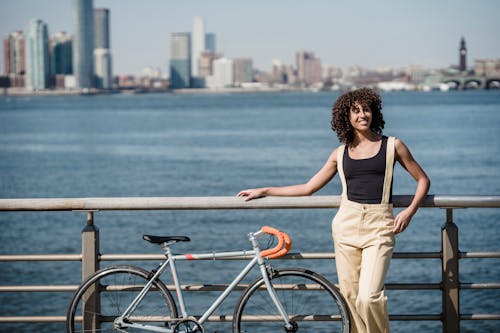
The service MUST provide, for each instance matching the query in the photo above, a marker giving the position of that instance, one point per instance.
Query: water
(216, 145)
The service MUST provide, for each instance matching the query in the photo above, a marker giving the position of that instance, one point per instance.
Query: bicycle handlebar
(284, 243)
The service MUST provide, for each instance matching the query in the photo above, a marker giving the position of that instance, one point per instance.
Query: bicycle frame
(171, 259)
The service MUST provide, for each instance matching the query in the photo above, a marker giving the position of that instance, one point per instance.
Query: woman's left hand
(402, 220)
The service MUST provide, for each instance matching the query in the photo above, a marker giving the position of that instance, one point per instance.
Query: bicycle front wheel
(107, 293)
(312, 303)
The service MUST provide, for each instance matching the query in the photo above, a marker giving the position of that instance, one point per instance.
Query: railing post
(450, 280)
(90, 264)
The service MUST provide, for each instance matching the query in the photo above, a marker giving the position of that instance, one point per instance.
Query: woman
(364, 226)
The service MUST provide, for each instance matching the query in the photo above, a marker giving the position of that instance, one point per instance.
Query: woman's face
(360, 117)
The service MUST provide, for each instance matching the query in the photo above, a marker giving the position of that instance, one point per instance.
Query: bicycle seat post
(166, 248)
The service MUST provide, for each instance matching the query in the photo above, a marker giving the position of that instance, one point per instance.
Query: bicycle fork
(266, 276)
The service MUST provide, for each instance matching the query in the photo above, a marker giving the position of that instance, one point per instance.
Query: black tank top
(365, 177)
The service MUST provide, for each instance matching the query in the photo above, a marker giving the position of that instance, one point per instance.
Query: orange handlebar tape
(284, 243)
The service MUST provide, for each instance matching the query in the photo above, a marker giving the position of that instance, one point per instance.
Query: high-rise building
(37, 55)
(101, 29)
(243, 70)
(102, 65)
(83, 43)
(308, 68)
(14, 58)
(103, 69)
(210, 42)
(198, 44)
(462, 56)
(61, 53)
(180, 60)
(14, 53)
(223, 76)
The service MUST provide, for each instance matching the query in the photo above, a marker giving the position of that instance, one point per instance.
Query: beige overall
(364, 241)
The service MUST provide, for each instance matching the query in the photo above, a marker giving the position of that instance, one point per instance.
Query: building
(61, 53)
(101, 29)
(180, 60)
(308, 68)
(83, 43)
(243, 70)
(37, 56)
(103, 72)
(210, 42)
(223, 73)
(198, 44)
(487, 67)
(14, 58)
(13, 53)
(103, 69)
(205, 63)
(462, 64)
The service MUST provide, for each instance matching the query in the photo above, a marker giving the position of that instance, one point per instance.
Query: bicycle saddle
(164, 239)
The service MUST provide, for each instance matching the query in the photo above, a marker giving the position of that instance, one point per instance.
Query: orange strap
(284, 243)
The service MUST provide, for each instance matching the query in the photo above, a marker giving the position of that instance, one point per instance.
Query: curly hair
(341, 108)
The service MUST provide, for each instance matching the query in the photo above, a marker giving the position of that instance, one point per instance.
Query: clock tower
(462, 56)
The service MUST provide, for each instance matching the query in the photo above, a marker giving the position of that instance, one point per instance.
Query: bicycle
(280, 300)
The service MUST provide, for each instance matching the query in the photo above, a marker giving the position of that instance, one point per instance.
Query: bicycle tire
(313, 304)
(118, 286)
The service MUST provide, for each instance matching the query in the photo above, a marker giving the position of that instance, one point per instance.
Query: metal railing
(90, 257)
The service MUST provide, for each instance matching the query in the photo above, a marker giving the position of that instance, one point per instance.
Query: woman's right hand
(252, 193)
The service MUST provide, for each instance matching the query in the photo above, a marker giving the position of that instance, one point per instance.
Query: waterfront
(213, 145)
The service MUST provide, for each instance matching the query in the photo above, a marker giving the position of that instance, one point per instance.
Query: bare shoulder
(402, 150)
(333, 155)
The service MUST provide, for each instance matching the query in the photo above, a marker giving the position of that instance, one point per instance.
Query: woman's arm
(320, 179)
(405, 158)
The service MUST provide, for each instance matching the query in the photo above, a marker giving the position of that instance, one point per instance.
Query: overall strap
(340, 169)
(389, 168)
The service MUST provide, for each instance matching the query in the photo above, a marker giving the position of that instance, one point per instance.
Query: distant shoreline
(64, 92)
(206, 91)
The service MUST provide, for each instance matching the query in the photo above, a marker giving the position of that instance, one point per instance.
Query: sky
(372, 34)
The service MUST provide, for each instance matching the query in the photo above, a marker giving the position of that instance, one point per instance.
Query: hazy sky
(373, 33)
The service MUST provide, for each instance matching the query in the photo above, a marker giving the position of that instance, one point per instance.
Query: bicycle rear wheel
(312, 303)
(108, 292)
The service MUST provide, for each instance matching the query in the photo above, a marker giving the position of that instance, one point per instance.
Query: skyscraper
(37, 56)
(102, 65)
(61, 53)
(308, 68)
(101, 28)
(13, 53)
(462, 56)
(198, 44)
(180, 60)
(210, 42)
(102, 49)
(83, 43)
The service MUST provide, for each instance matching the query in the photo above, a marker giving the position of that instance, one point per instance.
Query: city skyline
(381, 34)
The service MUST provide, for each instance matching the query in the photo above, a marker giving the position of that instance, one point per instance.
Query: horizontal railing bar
(39, 288)
(195, 203)
(414, 317)
(33, 319)
(116, 257)
(489, 285)
(480, 316)
(41, 257)
(294, 256)
(229, 318)
(479, 255)
(208, 287)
